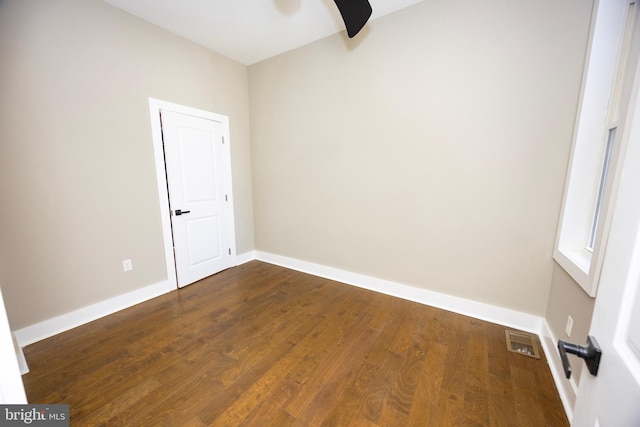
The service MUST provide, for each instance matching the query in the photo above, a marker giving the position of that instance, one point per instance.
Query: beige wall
(77, 175)
(431, 151)
(566, 298)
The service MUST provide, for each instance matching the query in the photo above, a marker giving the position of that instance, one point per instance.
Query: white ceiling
(249, 30)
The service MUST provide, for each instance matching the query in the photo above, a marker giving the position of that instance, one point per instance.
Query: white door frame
(155, 105)
(11, 387)
(618, 380)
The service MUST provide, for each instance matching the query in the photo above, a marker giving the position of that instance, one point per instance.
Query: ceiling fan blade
(355, 13)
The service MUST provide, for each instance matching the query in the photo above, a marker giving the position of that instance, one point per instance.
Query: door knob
(591, 353)
(181, 212)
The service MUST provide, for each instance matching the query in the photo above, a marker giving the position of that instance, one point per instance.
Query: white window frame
(593, 122)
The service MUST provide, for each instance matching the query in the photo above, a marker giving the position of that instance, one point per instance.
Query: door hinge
(229, 251)
(226, 197)
(223, 139)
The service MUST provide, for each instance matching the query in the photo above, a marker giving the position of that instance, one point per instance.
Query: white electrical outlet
(569, 325)
(127, 265)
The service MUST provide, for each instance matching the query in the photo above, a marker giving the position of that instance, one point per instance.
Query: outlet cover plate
(569, 326)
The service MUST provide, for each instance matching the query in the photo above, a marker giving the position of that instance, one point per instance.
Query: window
(597, 142)
(601, 190)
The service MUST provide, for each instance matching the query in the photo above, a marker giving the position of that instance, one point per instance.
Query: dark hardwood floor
(260, 345)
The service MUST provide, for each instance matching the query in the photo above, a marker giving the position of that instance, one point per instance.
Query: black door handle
(181, 212)
(591, 353)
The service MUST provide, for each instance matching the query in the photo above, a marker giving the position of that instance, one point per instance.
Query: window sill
(578, 265)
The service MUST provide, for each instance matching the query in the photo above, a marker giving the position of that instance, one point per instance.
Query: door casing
(155, 105)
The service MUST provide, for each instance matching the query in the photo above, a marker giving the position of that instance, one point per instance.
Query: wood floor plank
(500, 394)
(167, 404)
(429, 387)
(304, 359)
(261, 345)
(304, 404)
(476, 393)
(450, 406)
(524, 391)
(330, 395)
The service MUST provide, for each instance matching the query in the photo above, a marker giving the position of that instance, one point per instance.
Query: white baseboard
(56, 325)
(567, 389)
(245, 257)
(490, 313)
(22, 362)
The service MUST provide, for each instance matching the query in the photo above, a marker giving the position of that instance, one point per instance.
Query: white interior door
(198, 180)
(612, 398)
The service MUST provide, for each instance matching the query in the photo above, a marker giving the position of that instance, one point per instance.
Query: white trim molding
(22, 361)
(50, 327)
(594, 120)
(56, 325)
(490, 313)
(155, 106)
(567, 389)
(245, 257)
(11, 387)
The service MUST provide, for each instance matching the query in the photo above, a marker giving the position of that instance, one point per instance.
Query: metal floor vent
(522, 343)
